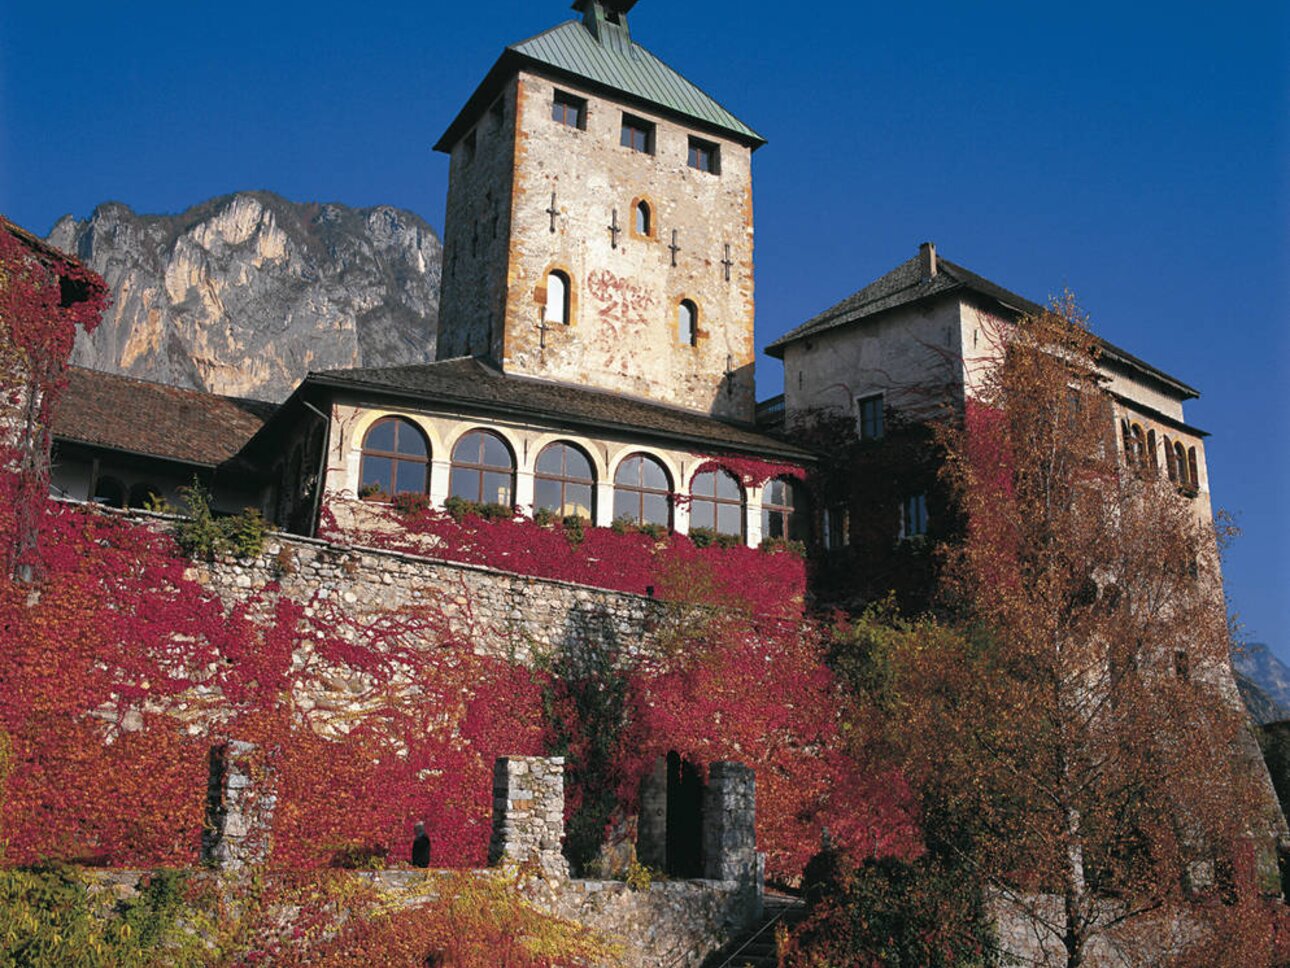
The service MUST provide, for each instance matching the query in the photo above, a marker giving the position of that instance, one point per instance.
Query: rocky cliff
(244, 294)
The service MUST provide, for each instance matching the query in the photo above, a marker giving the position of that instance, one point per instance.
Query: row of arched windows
(1141, 453)
(557, 310)
(396, 460)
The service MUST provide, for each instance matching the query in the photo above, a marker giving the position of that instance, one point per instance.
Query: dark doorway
(684, 818)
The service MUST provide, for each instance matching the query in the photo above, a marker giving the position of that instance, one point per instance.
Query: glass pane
(629, 471)
(728, 487)
(464, 484)
(467, 449)
(685, 323)
(703, 515)
(626, 505)
(799, 526)
(577, 500)
(653, 475)
(497, 488)
(775, 493)
(704, 484)
(381, 436)
(378, 471)
(496, 453)
(577, 465)
(551, 460)
(410, 477)
(730, 519)
(546, 494)
(656, 509)
(410, 439)
(772, 525)
(555, 291)
(642, 219)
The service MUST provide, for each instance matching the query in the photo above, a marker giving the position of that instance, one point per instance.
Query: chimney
(927, 258)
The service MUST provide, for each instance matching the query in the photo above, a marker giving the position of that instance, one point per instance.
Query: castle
(595, 346)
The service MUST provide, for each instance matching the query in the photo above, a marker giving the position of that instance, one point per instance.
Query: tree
(1075, 735)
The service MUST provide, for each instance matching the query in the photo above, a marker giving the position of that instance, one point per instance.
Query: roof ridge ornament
(606, 20)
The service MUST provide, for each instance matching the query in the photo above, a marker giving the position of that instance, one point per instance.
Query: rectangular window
(871, 410)
(569, 110)
(705, 156)
(638, 134)
(837, 530)
(913, 516)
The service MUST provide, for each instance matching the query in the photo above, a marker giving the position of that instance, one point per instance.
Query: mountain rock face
(1256, 664)
(244, 294)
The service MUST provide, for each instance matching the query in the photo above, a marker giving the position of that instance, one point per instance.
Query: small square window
(913, 516)
(705, 156)
(569, 110)
(638, 134)
(871, 417)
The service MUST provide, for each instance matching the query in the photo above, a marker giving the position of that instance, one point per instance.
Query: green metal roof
(606, 58)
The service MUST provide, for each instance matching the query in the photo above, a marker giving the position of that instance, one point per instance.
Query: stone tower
(599, 222)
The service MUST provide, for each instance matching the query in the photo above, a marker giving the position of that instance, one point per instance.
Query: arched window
(717, 502)
(483, 469)
(1193, 472)
(1171, 462)
(143, 494)
(395, 461)
(1139, 458)
(1153, 455)
(642, 492)
(1180, 462)
(109, 492)
(687, 323)
(784, 510)
(644, 222)
(563, 481)
(557, 297)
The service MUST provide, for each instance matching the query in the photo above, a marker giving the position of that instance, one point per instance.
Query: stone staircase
(755, 948)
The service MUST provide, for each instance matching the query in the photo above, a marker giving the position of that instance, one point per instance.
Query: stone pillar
(729, 828)
(240, 799)
(528, 813)
(651, 826)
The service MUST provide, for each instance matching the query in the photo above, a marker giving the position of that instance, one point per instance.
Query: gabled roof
(475, 385)
(906, 284)
(155, 420)
(612, 62)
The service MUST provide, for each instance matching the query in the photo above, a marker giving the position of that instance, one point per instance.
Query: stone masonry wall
(503, 614)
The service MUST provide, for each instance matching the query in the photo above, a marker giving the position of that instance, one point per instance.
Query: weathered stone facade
(528, 814)
(240, 802)
(529, 195)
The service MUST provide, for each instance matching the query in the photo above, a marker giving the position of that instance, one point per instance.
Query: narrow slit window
(557, 297)
(644, 219)
(687, 323)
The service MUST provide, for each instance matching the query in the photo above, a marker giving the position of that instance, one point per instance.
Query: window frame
(563, 102)
(718, 502)
(683, 304)
(637, 125)
(793, 516)
(395, 457)
(564, 479)
(478, 468)
(641, 491)
(914, 506)
(879, 423)
(697, 148)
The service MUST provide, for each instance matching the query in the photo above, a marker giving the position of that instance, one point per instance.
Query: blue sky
(1137, 153)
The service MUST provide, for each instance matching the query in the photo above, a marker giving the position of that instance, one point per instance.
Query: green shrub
(458, 507)
(202, 534)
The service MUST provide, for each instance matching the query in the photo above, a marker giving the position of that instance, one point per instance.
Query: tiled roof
(905, 284)
(476, 385)
(122, 413)
(613, 61)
